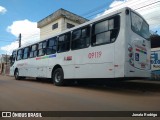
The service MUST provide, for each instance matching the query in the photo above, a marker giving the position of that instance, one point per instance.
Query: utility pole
(20, 40)
(6, 59)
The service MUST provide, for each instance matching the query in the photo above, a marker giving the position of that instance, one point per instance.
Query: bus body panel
(119, 50)
(12, 69)
(94, 62)
(66, 61)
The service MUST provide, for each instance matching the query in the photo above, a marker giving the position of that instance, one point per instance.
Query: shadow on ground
(144, 86)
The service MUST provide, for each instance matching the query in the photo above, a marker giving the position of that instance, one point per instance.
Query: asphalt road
(33, 95)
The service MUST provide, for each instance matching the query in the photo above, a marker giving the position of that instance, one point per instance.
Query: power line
(119, 5)
(95, 9)
(147, 5)
(95, 14)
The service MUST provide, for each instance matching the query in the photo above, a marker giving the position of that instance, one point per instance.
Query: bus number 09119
(94, 55)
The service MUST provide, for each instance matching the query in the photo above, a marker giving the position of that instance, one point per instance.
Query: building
(4, 64)
(58, 22)
(4, 58)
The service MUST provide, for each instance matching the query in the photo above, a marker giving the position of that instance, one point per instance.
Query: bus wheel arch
(16, 74)
(58, 75)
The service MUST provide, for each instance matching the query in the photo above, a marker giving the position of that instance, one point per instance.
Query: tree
(155, 40)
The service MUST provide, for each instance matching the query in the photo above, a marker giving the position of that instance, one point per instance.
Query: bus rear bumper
(139, 74)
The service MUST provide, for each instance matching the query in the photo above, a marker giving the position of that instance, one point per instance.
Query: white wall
(47, 32)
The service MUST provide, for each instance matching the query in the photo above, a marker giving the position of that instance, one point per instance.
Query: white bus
(115, 45)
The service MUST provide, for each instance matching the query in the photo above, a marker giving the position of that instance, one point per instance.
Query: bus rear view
(137, 47)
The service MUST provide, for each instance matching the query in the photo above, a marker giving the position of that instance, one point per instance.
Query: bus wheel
(16, 75)
(58, 77)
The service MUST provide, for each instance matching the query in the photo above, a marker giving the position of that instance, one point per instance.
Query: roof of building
(61, 13)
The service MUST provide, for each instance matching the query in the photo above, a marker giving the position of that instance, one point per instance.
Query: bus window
(26, 53)
(111, 24)
(114, 27)
(105, 31)
(33, 52)
(101, 27)
(20, 54)
(52, 45)
(139, 26)
(63, 43)
(41, 48)
(80, 38)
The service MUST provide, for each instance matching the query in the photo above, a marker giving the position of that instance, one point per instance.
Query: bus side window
(80, 38)
(52, 45)
(114, 27)
(42, 48)
(101, 33)
(20, 54)
(33, 52)
(26, 53)
(105, 31)
(63, 43)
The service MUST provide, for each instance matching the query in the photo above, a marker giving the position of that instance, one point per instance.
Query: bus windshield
(140, 26)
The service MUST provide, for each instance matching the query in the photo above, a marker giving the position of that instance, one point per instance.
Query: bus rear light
(130, 48)
(130, 54)
(131, 62)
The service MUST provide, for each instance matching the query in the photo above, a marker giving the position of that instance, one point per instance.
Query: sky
(21, 16)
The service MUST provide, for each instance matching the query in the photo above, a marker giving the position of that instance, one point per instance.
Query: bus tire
(16, 75)
(58, 77)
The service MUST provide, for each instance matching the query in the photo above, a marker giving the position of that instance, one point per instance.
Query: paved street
(33, 95)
